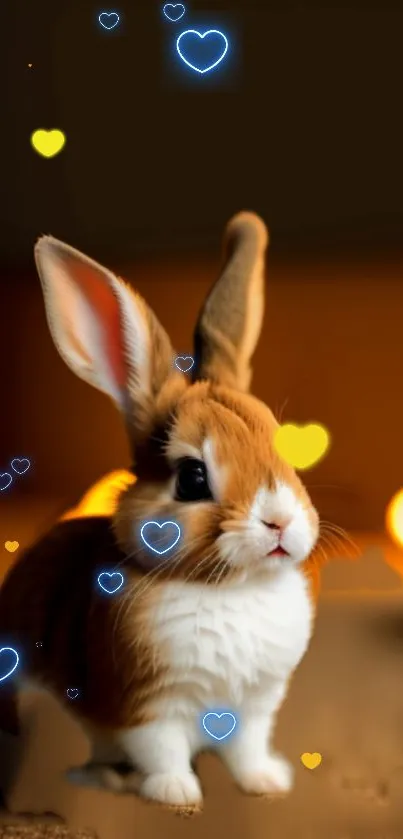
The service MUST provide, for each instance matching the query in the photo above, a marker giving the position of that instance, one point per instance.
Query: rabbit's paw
(182, 792)
(273, 777)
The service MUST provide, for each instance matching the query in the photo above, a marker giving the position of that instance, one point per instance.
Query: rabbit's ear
(231, 319)
(104, 331)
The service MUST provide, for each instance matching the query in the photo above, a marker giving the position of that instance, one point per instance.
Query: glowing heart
(11, 546)
(48, 143)
(219, 726)
(9, 659)
(5, 480)
(111, 583)
(197, 49)
(109, 19)
(172, 15)
(20, 465)
(72, 693)
(156, 538)
(301, 446)
(184, 363)
(311, 759)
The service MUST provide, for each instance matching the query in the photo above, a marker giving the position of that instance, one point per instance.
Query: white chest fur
(223, 643)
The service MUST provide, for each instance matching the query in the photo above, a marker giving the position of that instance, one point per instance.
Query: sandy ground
(345, 702)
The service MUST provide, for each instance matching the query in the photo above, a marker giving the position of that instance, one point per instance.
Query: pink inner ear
(106, 308)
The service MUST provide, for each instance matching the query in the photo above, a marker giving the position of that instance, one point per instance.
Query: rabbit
(223, 619)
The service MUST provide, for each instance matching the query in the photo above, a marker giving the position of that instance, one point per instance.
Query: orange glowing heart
(11, 546)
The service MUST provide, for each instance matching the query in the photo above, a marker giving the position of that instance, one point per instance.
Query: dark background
(309, 133)
(303, 125)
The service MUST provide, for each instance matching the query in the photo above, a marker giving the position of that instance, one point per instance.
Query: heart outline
(183, 358)
(10, 672)
(110, 574)
(20, 460)
(215, 714)
(74, 690)
(6, 474)
(208, 32)
(108, 14)
(155, 550)
(173, 6)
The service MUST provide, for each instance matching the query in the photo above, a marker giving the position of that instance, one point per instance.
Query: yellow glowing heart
(311, 759)
(394, 518)
(48, 143)
(11, 546)
(301, 446)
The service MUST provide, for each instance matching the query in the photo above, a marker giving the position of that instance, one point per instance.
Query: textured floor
(41, 831)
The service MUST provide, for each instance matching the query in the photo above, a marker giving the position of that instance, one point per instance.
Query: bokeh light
(394, 518)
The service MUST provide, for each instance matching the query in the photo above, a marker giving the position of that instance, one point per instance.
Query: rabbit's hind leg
(11, 740)
(108, 767)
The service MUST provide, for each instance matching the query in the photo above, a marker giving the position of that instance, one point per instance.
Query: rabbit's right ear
(105, 332)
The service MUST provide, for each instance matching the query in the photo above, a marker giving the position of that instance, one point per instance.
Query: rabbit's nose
(278, 524)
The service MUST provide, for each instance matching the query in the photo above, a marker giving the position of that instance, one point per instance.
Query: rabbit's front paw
(273, 777)
(183, 792)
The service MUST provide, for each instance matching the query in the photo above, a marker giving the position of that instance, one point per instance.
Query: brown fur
(59, 604)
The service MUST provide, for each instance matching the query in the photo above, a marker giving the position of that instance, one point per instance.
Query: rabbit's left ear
(231, 319)
(105, 332)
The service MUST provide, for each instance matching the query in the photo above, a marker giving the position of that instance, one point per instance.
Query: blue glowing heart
(106, 22)
(9, 660)
(160, 538)
(172, 15)
(111, 583)
(5, 480)
(72, 693)
(20, 465)
(202, 52)
(184, 363)
(219, 726)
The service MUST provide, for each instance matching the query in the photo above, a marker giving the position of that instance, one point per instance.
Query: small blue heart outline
(173, 6)
(109, 14)
(184, 358)
(202, 36)
(9, 482)
(10, 672)
(20, 460)
(219, 716)
(164, 524)
(110, 574)
(70, 691)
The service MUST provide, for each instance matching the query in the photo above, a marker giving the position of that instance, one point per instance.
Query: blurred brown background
(303, 126)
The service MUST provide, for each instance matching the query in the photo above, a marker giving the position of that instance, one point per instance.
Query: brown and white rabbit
(224, 618)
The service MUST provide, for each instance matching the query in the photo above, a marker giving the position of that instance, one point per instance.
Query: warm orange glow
(101, 498)
(394, 518)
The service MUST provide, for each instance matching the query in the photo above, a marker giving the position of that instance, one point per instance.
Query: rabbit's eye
(191, 481)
